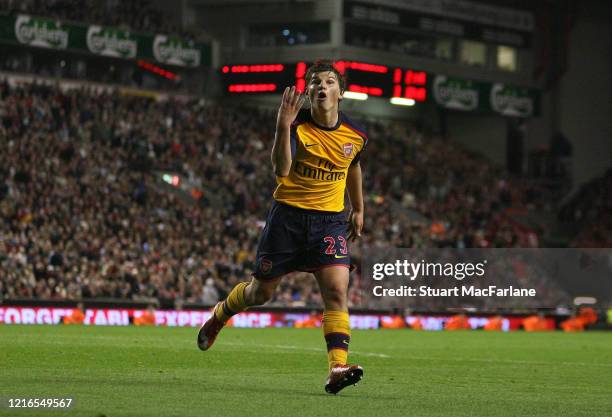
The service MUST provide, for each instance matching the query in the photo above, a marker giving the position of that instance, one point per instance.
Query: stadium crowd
(590, 210)
(138, 15)
(83, 213)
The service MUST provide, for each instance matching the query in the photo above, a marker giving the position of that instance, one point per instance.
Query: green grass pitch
(130, 371)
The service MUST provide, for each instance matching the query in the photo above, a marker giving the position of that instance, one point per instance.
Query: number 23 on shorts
(331, 246)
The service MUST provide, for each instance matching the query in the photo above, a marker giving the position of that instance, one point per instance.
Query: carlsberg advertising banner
(111, 42)
(511, 101)
(469, 95)
(174, 51)
(455, 93)
(101, 40)
(41, 32)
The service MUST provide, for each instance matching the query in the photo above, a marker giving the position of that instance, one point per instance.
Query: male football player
(315, 157)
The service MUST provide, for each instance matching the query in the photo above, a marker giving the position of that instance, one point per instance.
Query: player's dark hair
(325, 65)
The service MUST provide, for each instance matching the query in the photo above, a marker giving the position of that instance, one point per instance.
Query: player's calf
(260, 292)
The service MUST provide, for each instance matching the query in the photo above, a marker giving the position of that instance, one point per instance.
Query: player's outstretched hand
(355, 225)
(290, 106)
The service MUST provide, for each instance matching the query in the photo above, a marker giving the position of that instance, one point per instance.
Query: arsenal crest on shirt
(265, 266)
(348, 149)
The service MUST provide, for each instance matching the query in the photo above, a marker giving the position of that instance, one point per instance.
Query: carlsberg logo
(175, 51)
(511, 101)
(455, 94)
(111, 42)
(40, 32)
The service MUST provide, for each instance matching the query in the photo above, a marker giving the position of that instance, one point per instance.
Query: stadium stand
(84, 216)
(588, 214)
(130, 14)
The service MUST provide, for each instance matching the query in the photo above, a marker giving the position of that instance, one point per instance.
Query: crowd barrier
(125, 316)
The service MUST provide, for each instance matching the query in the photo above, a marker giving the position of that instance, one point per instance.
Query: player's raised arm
(281, 151)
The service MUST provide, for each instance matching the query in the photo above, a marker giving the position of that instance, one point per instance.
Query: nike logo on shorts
(308, 145)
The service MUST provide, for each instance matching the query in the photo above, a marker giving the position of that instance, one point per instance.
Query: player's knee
(261, 295)
(335, 294)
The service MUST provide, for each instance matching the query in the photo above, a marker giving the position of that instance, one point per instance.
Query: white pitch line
(382, 355)
(511, 361)
(302, 348)
(87, 340)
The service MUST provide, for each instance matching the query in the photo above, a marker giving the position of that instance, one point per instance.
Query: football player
(315, 157)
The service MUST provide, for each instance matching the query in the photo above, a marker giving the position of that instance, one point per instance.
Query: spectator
(210, 295)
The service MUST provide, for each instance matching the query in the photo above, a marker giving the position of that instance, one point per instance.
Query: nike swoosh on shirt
(308, 145)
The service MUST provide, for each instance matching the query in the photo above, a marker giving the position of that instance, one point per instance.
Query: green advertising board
(174, 51)
(455, 93)
(468, 95)
(101, 40)
(512, 101)
(111, 42)
(41, 32)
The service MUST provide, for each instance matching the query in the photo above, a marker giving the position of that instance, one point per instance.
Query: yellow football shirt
(321, 158)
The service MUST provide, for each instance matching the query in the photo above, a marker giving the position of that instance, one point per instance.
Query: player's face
(324, 90)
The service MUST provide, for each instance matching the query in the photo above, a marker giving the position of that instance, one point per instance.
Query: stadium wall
(481, 133)
(587, 121)
(234, 35)
(236, 49)
(579, 106)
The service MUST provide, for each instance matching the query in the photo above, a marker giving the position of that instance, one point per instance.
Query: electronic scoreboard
(372, 79)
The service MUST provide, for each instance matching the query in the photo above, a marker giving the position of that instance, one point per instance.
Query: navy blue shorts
(296, 239)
